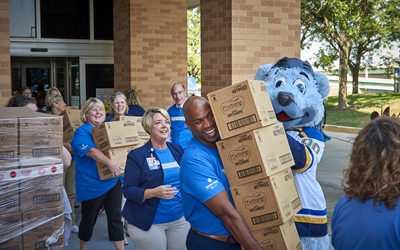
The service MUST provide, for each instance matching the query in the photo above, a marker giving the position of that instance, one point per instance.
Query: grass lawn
(361, 106)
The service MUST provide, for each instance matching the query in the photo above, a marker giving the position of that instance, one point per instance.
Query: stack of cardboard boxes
(257, 160)
(31, 180)
(115, 139)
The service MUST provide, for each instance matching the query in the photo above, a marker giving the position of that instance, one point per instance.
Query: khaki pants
(69, 185)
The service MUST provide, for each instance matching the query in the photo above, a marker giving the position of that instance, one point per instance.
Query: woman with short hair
(153, 207)
(55, 104)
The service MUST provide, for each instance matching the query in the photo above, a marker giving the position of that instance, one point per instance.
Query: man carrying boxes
(207, 201)
(257, 161)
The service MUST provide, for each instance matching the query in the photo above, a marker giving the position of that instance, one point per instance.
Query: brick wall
(150, 49)
(239, 36)
(5, 64)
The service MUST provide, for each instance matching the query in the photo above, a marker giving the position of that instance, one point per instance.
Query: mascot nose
(285, 98)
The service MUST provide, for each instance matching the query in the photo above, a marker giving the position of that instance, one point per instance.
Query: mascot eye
(300, 85)
(280, 82)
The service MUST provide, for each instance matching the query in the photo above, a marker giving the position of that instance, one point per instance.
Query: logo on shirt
(212, 184)
(177, 118)
(84, 147)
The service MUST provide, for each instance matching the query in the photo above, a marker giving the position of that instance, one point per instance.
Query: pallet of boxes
(257, 160)
(116, 139)
(31, 180)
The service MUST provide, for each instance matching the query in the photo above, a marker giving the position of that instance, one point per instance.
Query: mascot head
(296, 91)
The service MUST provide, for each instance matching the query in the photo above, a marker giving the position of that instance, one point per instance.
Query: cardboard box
(72, 121)
(11, 226)
(8, 142)
(241, 107)
(267, 202)
(115, 134)
(117, 155)
(71, 107)
(35, 238)
(12, 244)
(37, 138)
(9, 198)
(37, 187)
(255, 154)
(42, 192)
(138, 120)
(280, 237)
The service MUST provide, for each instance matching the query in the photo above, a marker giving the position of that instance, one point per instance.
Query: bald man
(180, 134)
(207, 201)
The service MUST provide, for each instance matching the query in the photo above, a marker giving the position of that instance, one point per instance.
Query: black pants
(111, 201)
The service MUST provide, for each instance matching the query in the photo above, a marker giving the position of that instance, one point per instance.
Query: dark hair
(374, 170)
(20, 101)
(23, 89)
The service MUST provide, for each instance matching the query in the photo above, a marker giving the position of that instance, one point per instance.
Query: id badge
(153, 163)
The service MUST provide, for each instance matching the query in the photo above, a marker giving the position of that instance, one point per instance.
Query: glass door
(98, 75)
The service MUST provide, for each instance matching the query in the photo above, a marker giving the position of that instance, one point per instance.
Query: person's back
(134, 103)
(368, 215)
(363, 225)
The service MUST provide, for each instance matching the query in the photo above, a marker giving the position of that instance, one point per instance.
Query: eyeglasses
(178, 93)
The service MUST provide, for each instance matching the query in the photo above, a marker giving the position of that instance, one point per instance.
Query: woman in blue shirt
(92, 192)
(134, 103)
(368, 215)
(153, 207)
(119, 106)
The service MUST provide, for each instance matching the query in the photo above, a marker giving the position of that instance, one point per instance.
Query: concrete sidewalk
(329, 174)
(330, 169)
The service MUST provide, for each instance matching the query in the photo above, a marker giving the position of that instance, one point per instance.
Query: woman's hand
(163, 192)
(67, 145)
(114, 168)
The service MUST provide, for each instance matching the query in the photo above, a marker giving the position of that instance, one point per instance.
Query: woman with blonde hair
(55, 104)
(368, 215)
(153, 207)
(91, 191)
(134, 103)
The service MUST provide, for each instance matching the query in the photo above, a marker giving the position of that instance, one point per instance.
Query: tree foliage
(351, 32)
(193, 33)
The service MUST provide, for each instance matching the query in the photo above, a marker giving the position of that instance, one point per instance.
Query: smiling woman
(119, 106)
(152, 188)
(91, 191)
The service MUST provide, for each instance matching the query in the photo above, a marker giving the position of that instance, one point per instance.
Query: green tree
(193, 31)
(350, 31)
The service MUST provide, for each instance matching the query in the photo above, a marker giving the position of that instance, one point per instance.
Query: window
(65, 19)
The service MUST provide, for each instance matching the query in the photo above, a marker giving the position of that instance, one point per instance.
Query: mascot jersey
(307, 145)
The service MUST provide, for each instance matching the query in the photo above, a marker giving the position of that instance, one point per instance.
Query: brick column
(240, 35)
(150, 48)
(5, 59)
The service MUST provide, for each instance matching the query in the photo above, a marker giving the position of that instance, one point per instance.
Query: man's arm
(221, 207)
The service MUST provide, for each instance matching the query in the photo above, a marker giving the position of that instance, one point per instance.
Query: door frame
(83, 61)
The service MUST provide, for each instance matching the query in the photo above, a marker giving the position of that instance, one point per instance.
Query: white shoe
(126, 242)
(75, 229)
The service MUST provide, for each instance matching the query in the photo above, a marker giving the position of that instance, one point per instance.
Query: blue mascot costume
(297, 94)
